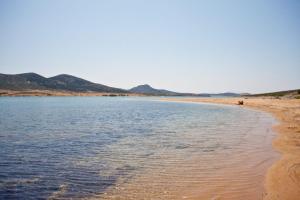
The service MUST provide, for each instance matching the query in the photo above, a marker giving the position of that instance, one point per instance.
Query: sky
(181, 45)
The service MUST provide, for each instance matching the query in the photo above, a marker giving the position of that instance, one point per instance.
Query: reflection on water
(95, 147)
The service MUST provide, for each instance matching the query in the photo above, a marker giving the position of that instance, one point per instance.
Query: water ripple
(127, 148)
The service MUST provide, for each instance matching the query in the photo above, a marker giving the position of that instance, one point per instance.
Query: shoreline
(59, 93)
(282, 180)
(228, 178)
(281, 177)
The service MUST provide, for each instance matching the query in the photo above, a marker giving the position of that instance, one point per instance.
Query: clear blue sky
(186, 45)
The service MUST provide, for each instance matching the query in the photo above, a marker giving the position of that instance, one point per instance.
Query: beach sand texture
(283, 177)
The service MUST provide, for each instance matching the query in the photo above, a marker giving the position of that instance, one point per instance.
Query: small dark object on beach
(241, 103)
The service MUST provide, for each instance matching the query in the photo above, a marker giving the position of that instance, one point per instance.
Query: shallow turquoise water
(76, 147)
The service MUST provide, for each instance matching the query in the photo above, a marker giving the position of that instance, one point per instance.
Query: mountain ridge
(33, 81)
(65, 82)
(148, 90)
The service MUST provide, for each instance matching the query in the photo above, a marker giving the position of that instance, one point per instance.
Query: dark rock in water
(241, 103)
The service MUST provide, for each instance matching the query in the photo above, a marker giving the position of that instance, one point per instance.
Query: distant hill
(287, 94)
(65, 82)
(33, 81)
(148, 90)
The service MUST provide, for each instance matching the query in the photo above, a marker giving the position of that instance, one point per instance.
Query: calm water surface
(85, 147)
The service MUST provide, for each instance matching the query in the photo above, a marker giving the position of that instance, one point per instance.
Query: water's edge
(277, 122)
(160, 143)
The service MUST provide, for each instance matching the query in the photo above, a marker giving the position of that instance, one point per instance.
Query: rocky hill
(33, 81)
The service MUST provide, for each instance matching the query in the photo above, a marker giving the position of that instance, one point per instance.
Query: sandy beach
(282, 180)
(150, 100)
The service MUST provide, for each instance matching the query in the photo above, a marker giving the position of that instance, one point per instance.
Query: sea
(129, 148)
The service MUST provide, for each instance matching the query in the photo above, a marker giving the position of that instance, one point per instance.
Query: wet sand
(282, 180)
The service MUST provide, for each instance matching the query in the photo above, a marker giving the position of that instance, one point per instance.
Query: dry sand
(282, 180)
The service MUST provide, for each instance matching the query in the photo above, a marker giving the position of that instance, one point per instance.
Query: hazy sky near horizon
(187, 45)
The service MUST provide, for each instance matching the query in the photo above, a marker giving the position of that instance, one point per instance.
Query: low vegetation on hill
(281, 94)
(63, 82)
